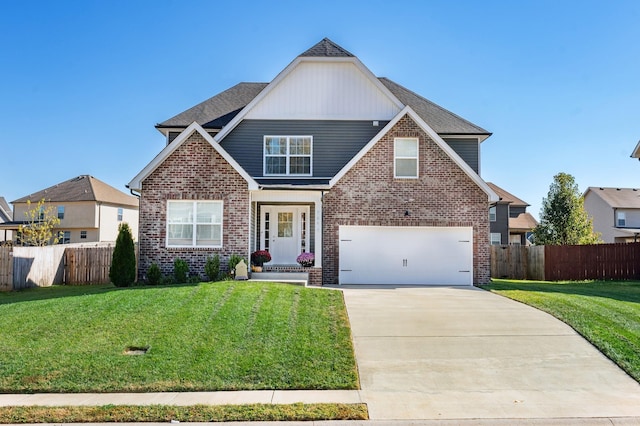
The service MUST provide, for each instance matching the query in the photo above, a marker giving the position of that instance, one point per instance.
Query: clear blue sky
(82, 83)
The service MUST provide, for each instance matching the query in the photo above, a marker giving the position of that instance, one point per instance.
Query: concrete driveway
(461, 353)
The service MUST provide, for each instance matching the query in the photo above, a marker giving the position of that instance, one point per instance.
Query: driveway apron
(461, 353)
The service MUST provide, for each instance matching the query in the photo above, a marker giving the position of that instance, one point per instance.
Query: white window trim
(495, 213)
(120, 214)
(60, 212)
(194, 224)
(396, 157)
(287, 155)
(621, 217)
(491, 240)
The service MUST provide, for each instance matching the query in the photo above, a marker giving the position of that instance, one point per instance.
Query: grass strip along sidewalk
(606, 313)
(196, 413)
(225, 335)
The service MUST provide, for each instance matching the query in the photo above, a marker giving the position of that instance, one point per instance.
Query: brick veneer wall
(195, 171)
(443, 195)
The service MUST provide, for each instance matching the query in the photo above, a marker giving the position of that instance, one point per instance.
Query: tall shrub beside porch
(123, 266)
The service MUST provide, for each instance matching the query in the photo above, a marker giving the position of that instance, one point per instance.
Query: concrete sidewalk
(464, 353)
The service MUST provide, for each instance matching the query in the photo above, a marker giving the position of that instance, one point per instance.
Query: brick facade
(195, 171)
(443, 195)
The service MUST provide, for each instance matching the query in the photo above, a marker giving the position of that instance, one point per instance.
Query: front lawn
(605, 313)
(210, 336)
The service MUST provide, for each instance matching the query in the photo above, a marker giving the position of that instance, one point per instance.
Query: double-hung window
(621, 221)
(194, 223)
(405, 158)
(287, 155)
(61, 212)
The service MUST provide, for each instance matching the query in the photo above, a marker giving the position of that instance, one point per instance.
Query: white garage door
(406, 255)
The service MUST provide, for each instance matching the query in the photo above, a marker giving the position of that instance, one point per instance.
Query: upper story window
(405, 158)
(492, 213)
(621, 219)
(60, 212)
(287, 155)
(194, 223)
(120, 214)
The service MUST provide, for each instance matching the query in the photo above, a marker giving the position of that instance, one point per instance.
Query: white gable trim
(636, 151)
(493, 197)
(284, 73)
(136, 182)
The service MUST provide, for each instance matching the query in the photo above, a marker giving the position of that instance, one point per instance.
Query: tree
(123, 263)
(41, 220)
(563, 219)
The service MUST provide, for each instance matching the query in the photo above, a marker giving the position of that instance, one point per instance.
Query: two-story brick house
(379, 183)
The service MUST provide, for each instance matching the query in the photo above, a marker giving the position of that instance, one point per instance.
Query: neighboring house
(89, 210)
(509, 221)
(379, 183)
(5, 217)
(615, 213)
(636, 151)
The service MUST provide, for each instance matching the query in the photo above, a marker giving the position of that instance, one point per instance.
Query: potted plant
(258, 258)
(306, 259)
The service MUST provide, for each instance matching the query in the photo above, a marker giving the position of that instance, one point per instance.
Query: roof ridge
(326, 48)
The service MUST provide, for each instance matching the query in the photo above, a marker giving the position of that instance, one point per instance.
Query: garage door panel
(406, 255)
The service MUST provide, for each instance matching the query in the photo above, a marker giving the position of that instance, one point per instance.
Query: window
(83, 235)
(60, 212)
(64, 237)
(492, 213)
(621, 219)
(194, 223)
(120, 213)
(496, 238)
(405, 158)
(287, 155)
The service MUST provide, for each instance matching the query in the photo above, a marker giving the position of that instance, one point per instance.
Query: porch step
(281, 277)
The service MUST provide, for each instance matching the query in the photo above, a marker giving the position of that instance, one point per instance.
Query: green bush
(212, 267)
(234, 259)
(194, 279)
(180, 270)
(123, 264)
(154, 275)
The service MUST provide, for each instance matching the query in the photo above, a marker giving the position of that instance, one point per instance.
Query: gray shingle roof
(439, 119)
(217, 111)
(81, 188)
(327, 48)
(618, 197)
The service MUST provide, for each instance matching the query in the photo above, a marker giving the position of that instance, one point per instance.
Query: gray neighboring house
(615, 213)
(5, 216)
(636, 151)
(509, 221)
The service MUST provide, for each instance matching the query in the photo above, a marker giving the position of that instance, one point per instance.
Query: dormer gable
(324, 83)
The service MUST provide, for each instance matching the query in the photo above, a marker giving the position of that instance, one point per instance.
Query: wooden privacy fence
(87, 265)
(22, 267)
(556, 263)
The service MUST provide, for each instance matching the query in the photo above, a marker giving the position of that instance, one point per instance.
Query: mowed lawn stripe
(212, 336)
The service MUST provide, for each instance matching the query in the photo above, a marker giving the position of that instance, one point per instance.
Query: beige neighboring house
(5, 217)
(615, 213)
(89, 210)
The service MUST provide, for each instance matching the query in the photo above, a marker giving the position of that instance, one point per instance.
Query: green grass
(196, 413)
(210, 336)
(605, 313)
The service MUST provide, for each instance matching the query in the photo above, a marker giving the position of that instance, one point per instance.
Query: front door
(284, 232)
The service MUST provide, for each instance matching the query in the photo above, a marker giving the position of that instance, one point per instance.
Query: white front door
(284, 232)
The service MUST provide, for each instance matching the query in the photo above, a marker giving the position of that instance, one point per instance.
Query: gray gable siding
(467, 149)
(335, 142)
(514, 211)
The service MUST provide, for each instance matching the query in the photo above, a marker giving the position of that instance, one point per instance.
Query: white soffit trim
(636, 151)
(136, 182)
(285, 72)
(493, 197)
